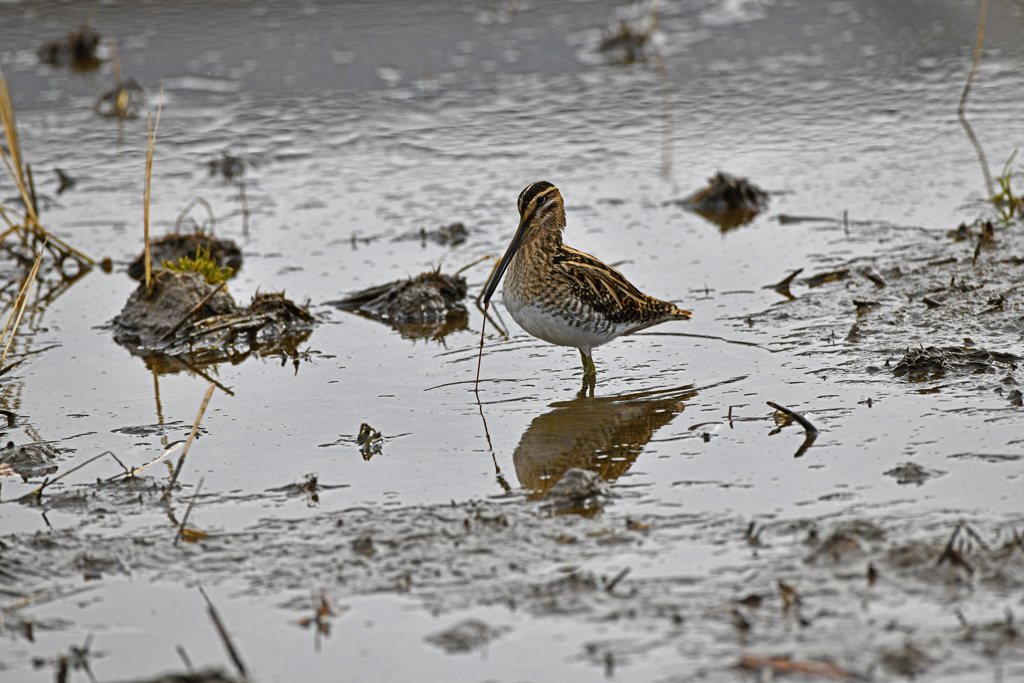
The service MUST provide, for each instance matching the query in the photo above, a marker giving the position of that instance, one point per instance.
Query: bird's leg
(588, 365)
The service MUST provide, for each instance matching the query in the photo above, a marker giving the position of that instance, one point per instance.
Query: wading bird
(562, 295)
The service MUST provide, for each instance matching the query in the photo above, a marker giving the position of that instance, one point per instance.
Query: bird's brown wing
(609, 293)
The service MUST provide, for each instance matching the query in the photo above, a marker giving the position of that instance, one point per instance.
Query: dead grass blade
(10, 131)
(19, 307)
(135, 470)
(151, 131)
(46, 482)
(192, 435)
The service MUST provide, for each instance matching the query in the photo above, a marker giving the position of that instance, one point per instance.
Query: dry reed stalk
(10, 130)
(192, 435)
(15, 167)
(151, 133)
(19, 306)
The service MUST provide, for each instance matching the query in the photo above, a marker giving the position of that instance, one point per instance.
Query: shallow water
(360, 124)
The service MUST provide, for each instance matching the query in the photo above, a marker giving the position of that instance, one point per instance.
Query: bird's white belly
(556, 329)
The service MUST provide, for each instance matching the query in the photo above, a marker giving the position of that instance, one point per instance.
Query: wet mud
(819, 478)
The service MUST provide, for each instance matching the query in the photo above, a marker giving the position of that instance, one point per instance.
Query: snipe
(563, 296)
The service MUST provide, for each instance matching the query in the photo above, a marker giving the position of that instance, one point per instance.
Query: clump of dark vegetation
(627, 42)
(727, 201)
(228, 166)
(77, 49)
(426, 306)
(172, 248)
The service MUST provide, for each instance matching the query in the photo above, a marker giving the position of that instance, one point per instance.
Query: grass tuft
(204, 264)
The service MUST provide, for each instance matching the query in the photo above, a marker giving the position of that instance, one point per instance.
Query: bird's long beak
(513, 247)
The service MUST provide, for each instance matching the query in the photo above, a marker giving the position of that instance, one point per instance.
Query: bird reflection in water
(603, 435)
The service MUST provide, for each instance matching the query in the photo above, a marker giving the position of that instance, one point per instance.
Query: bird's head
(540, 206)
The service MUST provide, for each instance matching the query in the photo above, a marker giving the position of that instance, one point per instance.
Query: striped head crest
(531, 191)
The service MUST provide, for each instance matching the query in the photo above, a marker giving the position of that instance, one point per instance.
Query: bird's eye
(540, 200)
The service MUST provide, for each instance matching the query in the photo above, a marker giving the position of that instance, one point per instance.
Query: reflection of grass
(204, 264)
(1008, 205)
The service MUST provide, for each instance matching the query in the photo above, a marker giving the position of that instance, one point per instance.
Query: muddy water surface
(360, 125)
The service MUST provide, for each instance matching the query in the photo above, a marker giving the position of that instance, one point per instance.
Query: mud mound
(187, 317)
(172, 247)
(176, 296)
(426, 306)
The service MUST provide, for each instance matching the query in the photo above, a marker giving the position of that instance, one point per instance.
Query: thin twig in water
(47, 482)
(170, 449)
(188, 511)
(192, 435)
(616, 580)
(219, 625)
(468, 266)
(185, 658)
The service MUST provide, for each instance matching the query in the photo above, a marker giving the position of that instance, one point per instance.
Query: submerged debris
(831, 276)
(369, 440)
(727, 201)
(121, 101)
(228, 166)
(426, 306)
(465, 636)
(578, 490)
(626, 43)
(452, 235)
(28, 460)
(171, 248)
(77, 49)
(912, 473)
(768, 667)
(934, 362)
